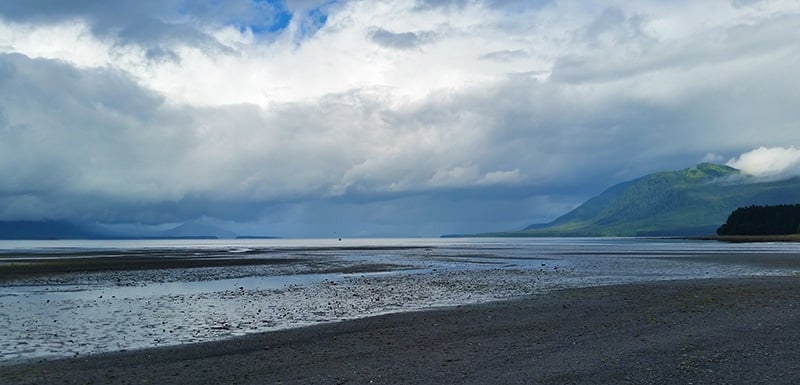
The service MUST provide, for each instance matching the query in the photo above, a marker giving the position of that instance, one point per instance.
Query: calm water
(325, 280)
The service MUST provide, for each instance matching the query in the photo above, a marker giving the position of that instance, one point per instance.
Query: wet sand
(43, 267)
(765, 260)
(167, 264)
(720, 331)
(24, 265)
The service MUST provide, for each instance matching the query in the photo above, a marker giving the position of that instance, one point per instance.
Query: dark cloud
(432, 4)
(160, 54)
(505, 55)
(306, 5)
(402, 40)
(66, 130)
(154, 33)
(429, 214)
(104, 17)
(105, 13)
(499, 4)
(151, 23)
(636, 54)
(744, 3)
(90, 144)
(107, 16)
(95, 144)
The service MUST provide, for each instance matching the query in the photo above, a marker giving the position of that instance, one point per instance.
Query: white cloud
(71, 41)
(769, 162)
(455, 176)
(501, 177)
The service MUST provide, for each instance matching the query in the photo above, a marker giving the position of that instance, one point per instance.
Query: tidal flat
(77, 299)
(707, 331)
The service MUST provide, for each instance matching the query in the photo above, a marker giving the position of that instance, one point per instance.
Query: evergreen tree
(762, 220)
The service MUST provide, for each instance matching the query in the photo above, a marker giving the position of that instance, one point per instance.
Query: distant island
(692, 202)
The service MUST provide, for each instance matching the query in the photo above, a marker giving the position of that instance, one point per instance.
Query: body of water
(259, 285)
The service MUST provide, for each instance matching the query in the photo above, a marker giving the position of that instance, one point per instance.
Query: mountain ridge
(690, 202)
(62, 229)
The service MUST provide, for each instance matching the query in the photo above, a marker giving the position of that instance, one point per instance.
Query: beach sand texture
(716, 331)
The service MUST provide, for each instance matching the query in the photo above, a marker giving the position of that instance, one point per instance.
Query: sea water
(324, 280)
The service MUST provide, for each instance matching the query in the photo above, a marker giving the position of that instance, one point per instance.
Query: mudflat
(716, 331)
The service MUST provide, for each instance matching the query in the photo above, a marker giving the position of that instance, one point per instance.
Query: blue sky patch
(278, 19)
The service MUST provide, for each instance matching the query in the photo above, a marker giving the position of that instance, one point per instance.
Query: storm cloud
(474, 119)
(401, 40)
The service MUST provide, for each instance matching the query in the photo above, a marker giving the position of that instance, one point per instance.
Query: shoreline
(731, 330)
(748, 238)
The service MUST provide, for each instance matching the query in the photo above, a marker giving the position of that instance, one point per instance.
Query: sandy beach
(720, 331)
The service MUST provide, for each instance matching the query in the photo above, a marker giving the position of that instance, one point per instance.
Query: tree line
(762, 220)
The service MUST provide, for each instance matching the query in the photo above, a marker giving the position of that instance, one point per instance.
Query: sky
(326, 118)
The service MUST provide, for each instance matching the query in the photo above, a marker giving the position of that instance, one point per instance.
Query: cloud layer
(774, 162)
(314, 117)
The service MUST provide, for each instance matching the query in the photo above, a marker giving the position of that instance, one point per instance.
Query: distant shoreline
(748, 238)
(719, 238)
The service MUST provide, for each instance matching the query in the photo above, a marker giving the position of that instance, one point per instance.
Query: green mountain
(693, 201)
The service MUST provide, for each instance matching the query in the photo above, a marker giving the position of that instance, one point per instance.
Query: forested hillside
(763, 220)
(689, 202)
